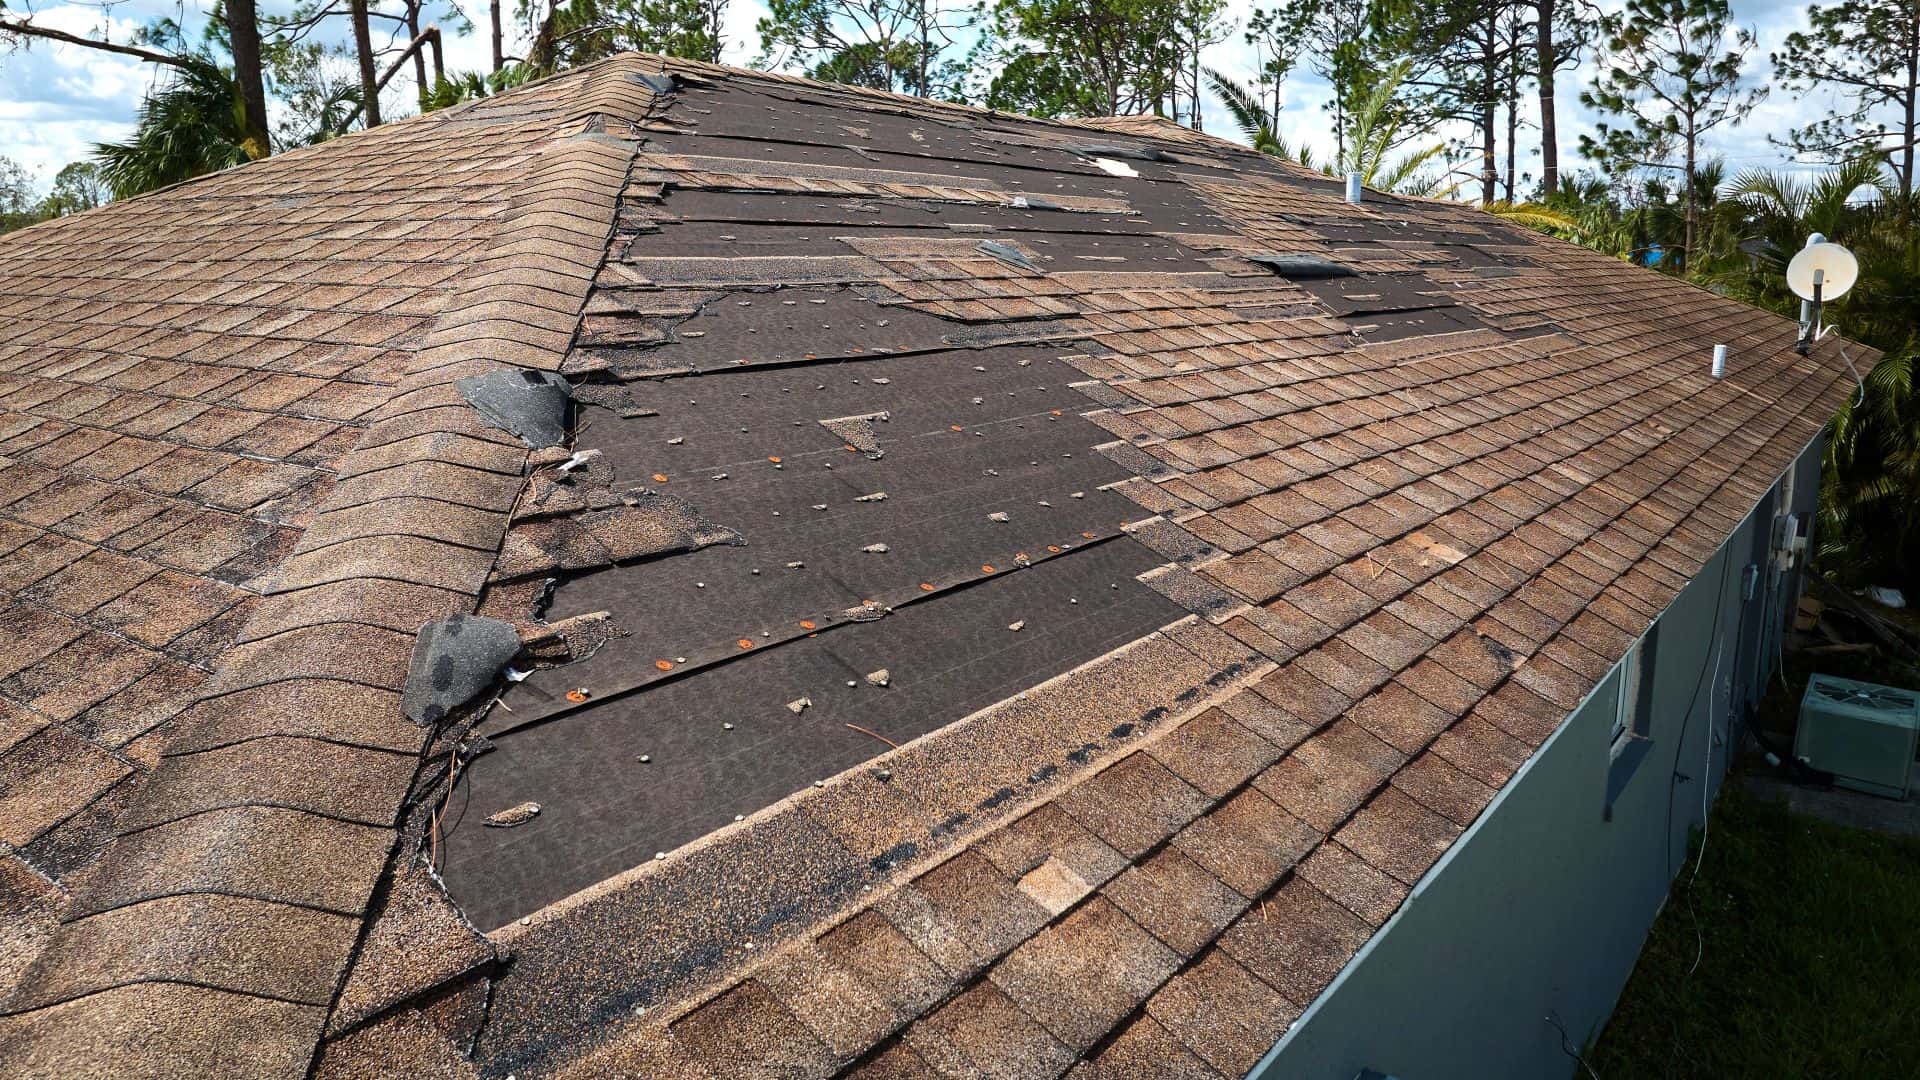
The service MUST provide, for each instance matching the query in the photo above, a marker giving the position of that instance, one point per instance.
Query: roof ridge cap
(465, 337)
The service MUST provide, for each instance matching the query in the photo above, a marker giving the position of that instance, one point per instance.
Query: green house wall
(1542, 907)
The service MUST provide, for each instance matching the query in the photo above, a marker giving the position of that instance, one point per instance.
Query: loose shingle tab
(534, 405)
(1302, 267)
(454, 660)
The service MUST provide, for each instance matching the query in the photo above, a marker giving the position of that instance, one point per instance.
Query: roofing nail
(726, 727)
(876, 549)
(676, 440)
(658, 855)
(646, 759)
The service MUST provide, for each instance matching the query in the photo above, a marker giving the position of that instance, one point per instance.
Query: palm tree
(194, 124)
(1250, 114)
(1787, 206)
(1376, 130)
(1869, 521)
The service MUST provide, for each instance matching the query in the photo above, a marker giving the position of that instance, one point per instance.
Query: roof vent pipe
(1353, 188)
(1719, 361)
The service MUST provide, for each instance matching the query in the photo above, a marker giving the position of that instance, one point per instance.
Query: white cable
(1706, 819)
(1706, 777)
(1841, 343)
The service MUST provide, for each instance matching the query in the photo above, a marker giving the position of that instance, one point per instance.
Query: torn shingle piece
(455, 659)
(534, 405)
(858, 432)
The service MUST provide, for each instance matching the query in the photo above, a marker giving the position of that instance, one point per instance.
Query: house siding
(1543, 905)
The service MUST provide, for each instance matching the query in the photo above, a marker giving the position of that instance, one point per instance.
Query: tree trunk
(499, 58)
(1339, 128)
(1544, 60)
(1488, 103)
(363, 45)
(1513, 130)
(1692, 205)
(420, 84)
(243, 32)
(1196, 77)
(926, 44)
(1907, 129)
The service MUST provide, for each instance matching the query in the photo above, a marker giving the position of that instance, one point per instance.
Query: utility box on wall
(1861, 733)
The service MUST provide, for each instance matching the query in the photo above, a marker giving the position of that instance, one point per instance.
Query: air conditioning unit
(1861, 733)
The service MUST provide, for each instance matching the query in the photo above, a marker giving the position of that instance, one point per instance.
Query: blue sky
(58, 100)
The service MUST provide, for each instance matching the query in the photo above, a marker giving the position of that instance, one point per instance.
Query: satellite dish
(1836, 265)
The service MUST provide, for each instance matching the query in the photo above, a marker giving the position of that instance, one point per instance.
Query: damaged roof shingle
(1314, 529)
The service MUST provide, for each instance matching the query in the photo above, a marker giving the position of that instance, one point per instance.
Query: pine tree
(1869, 51)
(1672, 75)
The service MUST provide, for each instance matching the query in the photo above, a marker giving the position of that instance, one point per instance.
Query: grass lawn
(1809, 958)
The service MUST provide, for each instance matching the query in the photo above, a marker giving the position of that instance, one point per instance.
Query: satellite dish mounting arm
(1810, 315)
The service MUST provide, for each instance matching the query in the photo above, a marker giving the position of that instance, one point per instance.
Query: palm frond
(1247, 111)
(190, 126)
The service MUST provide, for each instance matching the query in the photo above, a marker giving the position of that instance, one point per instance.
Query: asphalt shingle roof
(1310, 568)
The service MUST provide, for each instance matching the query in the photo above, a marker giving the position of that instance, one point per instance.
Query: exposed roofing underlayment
(979, 608)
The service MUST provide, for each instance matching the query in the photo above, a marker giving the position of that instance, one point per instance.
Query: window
(1633, 719)
(1633, 715)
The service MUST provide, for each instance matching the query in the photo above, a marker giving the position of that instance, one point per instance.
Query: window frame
(1631, 736)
